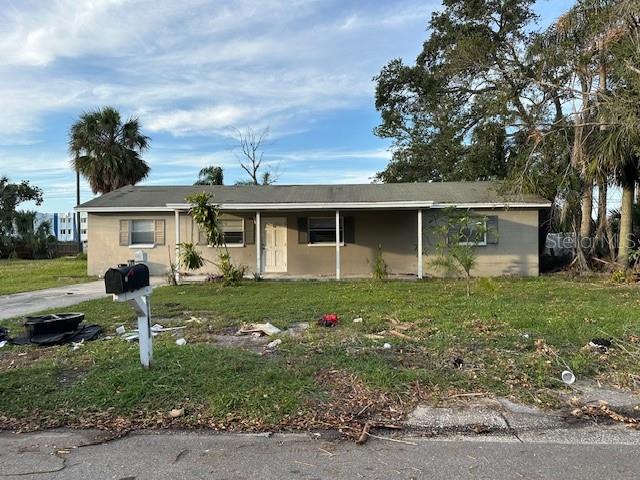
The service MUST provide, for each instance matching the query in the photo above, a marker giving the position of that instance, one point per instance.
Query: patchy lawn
(28, 275)
(514, 337)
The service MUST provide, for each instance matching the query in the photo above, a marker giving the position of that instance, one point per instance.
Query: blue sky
(193, 71)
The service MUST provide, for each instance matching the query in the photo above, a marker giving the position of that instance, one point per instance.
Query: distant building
(63, 225)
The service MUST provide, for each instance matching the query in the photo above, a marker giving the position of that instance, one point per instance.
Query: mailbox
(126, 279)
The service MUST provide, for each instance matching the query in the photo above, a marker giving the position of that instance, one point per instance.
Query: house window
(83, 220)
(323, 230)
(142, 232)
(474, 232)
(84, 231)
(233, 230)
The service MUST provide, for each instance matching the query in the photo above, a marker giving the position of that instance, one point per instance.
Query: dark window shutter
(249, 231)
(349, 230)
(303, 231)
(492, 229)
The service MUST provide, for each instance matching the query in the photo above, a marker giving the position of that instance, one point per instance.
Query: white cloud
(192, 68)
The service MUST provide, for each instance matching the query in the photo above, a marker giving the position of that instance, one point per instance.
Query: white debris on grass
(181, 341)
(260, 328)
(274, 344)
(357, 320)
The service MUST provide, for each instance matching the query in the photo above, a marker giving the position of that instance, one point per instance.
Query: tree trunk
(600, 242)
(626, 224)
(587, 207)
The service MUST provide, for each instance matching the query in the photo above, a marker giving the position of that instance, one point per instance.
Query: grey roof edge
(407, 195)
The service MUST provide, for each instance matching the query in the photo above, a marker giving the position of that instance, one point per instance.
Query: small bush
(380, 267)
(231, 274)
(620, 276)
(190, 257)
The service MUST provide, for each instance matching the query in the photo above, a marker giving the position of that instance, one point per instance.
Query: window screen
(233, 230)
(323, 230)
(142, 232)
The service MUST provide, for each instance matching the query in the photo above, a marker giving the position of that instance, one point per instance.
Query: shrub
(380, 267)
(190, 257)
(231, 274)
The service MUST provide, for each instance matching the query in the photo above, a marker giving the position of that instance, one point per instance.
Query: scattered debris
(386, 346)
(56, 329)
(76, 345)
(259, 328)
(3, 343)
(181, 341)
(176, 412)
(328, 320)
(601, 344)
(604, 410)
(456, 362)
(156, 329)
(374, 336)
(274, 344)
(568, 377)
(357, 320)
(404, 336)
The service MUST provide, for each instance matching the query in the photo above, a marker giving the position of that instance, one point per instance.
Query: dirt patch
(23, 357)
(69, 377)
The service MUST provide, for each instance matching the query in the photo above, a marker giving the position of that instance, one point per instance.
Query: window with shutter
(322, 230)
(142, 232)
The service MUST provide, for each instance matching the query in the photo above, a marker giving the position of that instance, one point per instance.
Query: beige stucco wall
(396, 231)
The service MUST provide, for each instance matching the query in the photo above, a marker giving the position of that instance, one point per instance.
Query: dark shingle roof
(437, 192)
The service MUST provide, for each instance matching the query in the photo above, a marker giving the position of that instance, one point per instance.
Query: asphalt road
(584, 454)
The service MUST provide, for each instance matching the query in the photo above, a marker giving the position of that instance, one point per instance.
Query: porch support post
(258, 245)
(337, 244)
(419, 243)
(177, 222)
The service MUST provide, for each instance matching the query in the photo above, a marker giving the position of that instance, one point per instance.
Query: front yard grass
(28, 275)
(513, 336)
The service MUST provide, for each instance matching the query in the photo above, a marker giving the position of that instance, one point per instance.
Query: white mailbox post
(139, 300)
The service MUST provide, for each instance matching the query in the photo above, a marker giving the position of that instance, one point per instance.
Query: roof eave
(319, 206)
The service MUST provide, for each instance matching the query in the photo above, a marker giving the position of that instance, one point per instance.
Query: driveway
(26, 303)
(591, 454)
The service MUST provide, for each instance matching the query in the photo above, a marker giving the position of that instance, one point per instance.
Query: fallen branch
(388, 439)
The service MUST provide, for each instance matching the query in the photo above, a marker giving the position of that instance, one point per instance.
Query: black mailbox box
(126, 279)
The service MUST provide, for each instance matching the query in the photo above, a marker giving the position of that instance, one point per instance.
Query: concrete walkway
(26, 303)
(586, 454)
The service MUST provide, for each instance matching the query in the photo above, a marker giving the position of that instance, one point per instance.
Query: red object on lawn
(328, 320)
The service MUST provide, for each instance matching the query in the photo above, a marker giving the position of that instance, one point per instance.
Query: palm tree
(108, 152)
(210, 176)
(617, 142)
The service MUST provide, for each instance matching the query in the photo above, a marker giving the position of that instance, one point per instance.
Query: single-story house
(315, 231)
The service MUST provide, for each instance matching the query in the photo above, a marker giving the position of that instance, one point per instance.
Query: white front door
(274, 248)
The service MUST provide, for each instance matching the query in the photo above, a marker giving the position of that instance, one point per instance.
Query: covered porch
(281, 242)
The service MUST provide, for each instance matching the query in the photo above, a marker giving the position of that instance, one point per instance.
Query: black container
(126, 279)
(53, 324)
